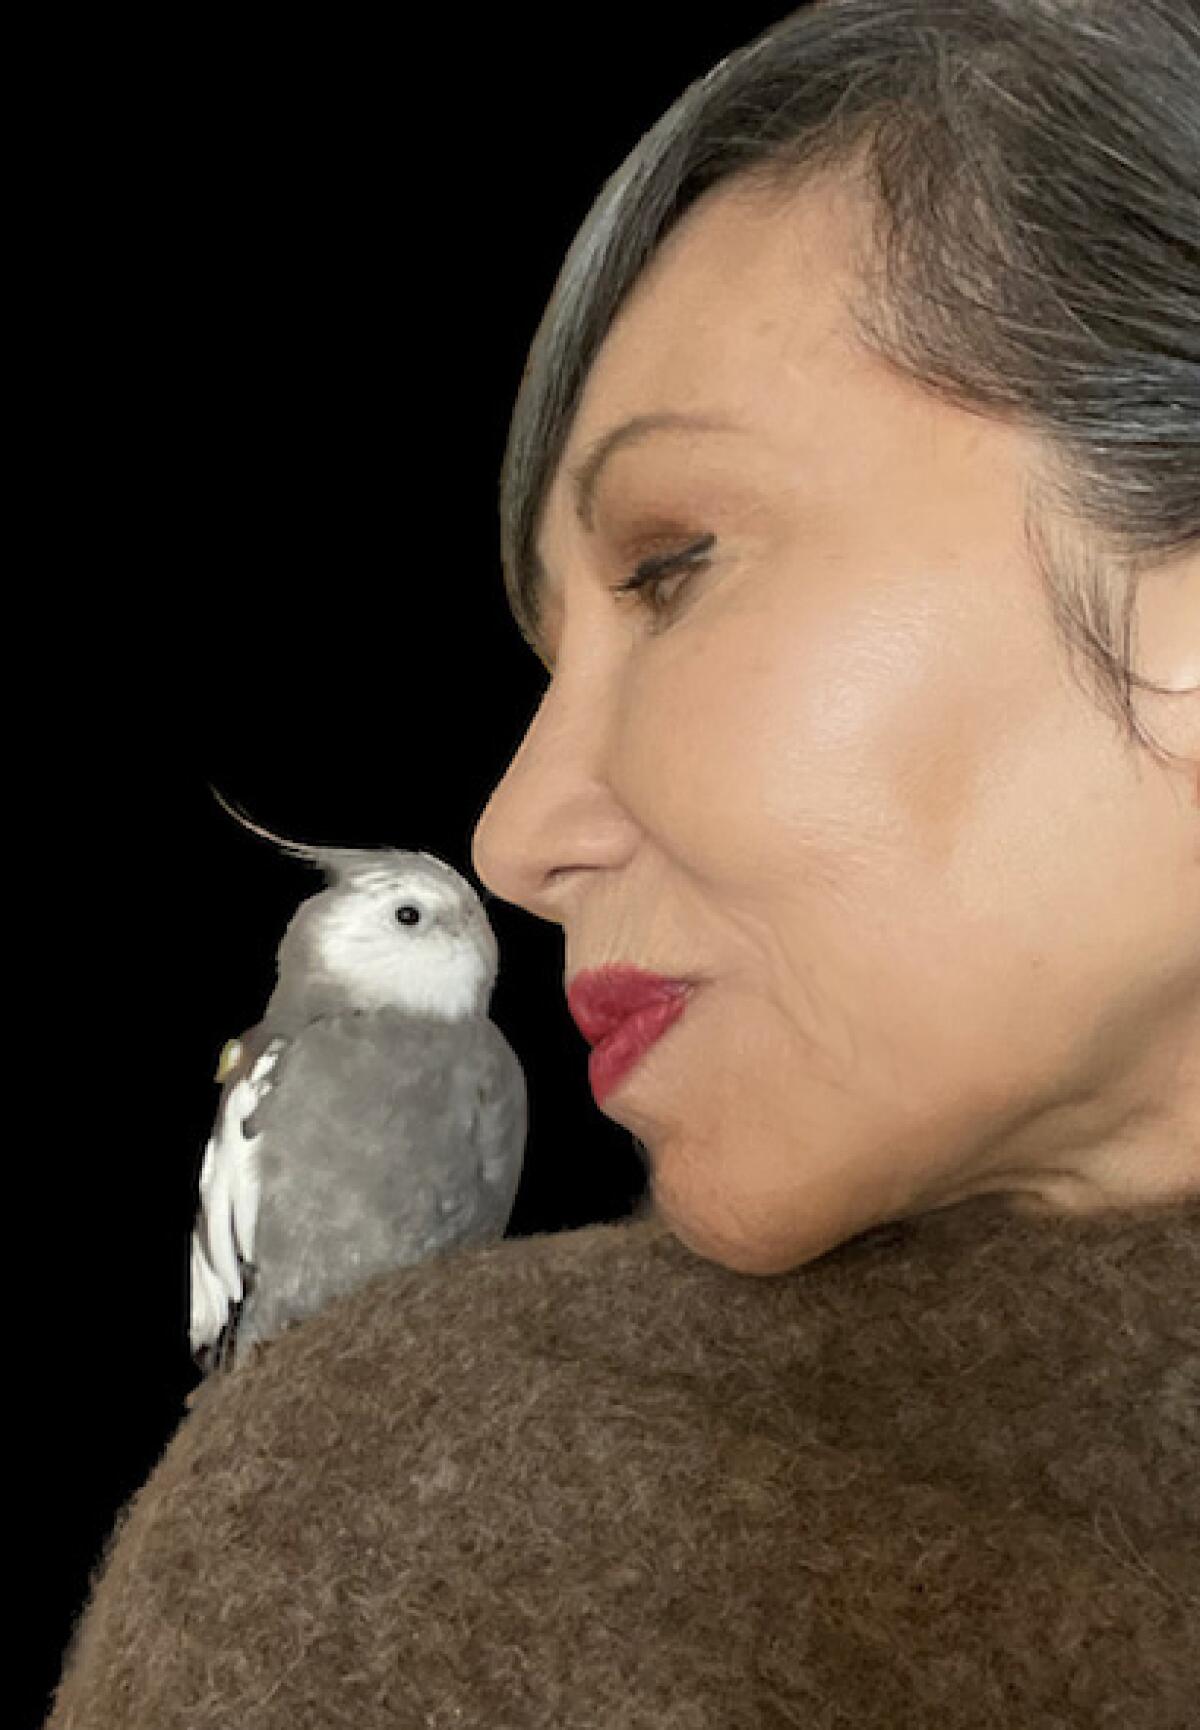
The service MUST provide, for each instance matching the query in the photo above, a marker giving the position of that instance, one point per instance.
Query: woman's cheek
(697, 732)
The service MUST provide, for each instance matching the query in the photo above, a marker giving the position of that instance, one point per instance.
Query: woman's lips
(622, 1011)
(614, 1057)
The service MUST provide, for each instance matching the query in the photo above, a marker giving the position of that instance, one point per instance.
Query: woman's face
(947, 920)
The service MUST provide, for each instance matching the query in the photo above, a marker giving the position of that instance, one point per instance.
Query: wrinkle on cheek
(790, 940)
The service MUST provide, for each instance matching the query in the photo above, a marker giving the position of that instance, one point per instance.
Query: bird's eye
(408, 914)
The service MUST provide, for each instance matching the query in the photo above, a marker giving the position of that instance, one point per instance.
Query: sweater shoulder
(630, 1297)
(581, 1478)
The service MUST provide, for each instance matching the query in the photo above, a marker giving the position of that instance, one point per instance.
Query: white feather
(216, 1199)
(209, 1306)
(230, 1185)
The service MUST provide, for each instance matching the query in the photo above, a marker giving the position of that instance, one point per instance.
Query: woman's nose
(553, 811)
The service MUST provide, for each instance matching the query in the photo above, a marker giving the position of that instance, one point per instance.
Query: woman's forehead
(735, 293)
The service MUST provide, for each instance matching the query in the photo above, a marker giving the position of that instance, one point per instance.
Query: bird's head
(396, 930)
(393, 930)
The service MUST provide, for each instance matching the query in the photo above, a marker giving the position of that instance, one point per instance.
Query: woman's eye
(652, 574)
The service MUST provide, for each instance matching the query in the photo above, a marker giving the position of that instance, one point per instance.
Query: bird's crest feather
(338, 863)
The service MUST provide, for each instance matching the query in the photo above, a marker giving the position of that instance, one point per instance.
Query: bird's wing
(223, 1239)
(402, 1134)
(499, 1112)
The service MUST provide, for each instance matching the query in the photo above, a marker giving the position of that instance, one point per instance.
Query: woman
(851, 503)
(826, 757)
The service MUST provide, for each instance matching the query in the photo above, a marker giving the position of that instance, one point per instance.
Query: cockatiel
(374, 1117)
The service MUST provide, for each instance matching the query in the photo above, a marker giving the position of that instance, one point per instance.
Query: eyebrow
(584, 476)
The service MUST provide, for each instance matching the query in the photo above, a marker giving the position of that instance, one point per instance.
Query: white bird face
(409, 935)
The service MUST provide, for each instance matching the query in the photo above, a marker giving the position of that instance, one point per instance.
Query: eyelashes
(651, 575)
(649, 579)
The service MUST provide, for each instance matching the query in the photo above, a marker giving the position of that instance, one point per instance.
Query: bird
(374, 1117)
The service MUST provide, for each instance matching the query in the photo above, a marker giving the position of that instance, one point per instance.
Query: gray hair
(1034, 171)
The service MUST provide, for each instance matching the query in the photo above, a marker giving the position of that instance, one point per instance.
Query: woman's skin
(947, 916)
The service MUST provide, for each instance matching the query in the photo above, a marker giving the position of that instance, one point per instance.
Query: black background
(282, 288)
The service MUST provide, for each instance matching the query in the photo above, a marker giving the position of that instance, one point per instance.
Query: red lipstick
(622, 1012)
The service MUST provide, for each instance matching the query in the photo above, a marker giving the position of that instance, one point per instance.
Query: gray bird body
(374, 1117)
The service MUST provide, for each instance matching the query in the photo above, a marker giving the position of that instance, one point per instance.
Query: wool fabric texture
(947, 1474)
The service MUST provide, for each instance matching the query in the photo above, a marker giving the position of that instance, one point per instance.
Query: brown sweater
(946, 1476)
